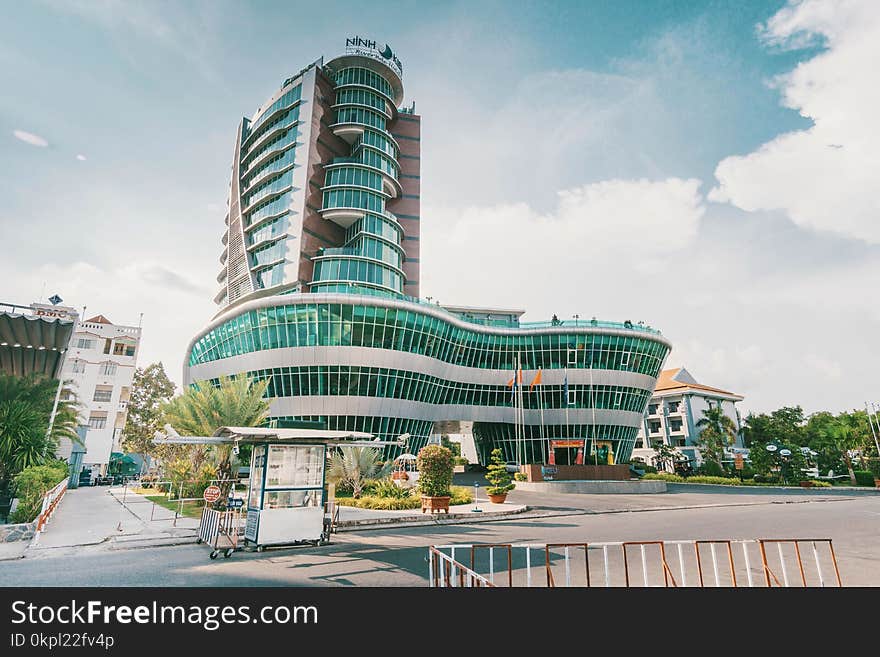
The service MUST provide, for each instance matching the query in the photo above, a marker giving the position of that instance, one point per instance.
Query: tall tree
(202, 409)
(718, 431)
(151, 388)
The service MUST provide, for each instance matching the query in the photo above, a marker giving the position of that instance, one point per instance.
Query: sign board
(357, 45)
(738, 461)
(45, 310)
(211, 494)
(235, 502)
(566, 443)
(252, 524)
(548, 472)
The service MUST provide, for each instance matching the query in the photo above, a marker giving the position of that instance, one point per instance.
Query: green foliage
(236, 401)
(874, 466)
(717, 432)
(497, 475)
(453, 447)
(435, 470)
(458, 495)
(520, 476)
(664, 455)
(460, 460)
(820, 484)
(711, 469)
(387, 488)
(864, 478)
(25, 410)
(354, 467)
(31, 484)
(150, 390)
(188, 479)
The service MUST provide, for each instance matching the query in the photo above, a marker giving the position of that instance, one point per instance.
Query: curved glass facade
(447, 368)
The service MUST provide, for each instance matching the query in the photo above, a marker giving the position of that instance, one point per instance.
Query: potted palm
(435, 478)
(499, 477)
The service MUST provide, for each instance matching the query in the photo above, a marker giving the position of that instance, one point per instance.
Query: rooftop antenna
(141, 321)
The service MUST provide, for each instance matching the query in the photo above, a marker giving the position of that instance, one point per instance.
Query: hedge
(31, 484)
(460, 495)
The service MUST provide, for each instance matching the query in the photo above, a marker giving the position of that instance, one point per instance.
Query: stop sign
(212, 494)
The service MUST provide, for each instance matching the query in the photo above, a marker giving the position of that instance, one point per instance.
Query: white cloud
(173, 309)
(81, 158)
(30, 138)
(622, 225)
(829, 369)
(825, 177)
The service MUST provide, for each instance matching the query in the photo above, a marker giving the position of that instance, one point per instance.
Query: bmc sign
(368, 48)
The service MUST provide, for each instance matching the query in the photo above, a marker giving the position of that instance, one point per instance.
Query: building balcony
(350, 132)
(344, 217)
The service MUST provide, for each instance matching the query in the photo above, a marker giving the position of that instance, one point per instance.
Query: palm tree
(202, 409)
(717, 432)
(25, 409)
(845, 439)
(353, 466)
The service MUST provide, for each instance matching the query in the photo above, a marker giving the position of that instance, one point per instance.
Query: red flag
(536, 381)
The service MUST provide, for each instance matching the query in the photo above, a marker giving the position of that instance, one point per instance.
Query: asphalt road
(396, 557)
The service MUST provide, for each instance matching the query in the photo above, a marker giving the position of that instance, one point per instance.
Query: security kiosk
(285, 501)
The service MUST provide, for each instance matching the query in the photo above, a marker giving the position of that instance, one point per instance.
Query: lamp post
(476, 508)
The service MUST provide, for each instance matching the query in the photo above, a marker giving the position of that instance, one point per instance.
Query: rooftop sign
(369, 48)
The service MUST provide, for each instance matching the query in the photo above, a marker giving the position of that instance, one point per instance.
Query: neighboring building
(320, 283)
(101, 364)
(674, 411)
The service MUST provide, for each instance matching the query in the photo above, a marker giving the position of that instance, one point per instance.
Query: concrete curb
(436, 519)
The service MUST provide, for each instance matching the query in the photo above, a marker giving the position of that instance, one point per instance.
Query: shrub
(711, 469)
(458, 495)
(520, 476)
(498, 476)
(435, 470)
(864, 478)
(386, 488)
(460, 460)
(461, 495)
(874, 466)
(820, 484)
(31, 484)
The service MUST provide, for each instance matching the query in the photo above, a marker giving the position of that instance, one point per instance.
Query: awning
(30, 344)
(248, 435)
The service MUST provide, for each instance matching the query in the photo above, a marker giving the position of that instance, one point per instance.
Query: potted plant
(435, 478)
(460, 464)
(499, 477)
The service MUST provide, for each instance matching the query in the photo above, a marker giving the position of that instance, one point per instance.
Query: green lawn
(190, 509)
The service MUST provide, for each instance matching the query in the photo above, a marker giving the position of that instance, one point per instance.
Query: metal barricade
(804, 562)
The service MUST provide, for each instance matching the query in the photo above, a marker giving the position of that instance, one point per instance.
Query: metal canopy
(30, 344)
(248, 435)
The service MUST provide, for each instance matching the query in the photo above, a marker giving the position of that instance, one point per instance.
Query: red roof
(98, 319)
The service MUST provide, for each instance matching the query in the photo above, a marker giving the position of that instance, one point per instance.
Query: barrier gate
(760, 562)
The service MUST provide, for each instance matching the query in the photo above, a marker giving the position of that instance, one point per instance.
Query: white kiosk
(285, 503)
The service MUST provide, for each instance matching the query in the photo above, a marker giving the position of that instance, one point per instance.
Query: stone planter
(458, 468)
(435, 504)
(806, 484)
(876, 482)
(497, 499)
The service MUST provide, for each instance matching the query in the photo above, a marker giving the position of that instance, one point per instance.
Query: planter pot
(806, 484)
(876, 482)
(435, 504)
(458, 468)
(497, 499)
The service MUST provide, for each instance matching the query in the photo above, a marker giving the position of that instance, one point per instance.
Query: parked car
(511, 466)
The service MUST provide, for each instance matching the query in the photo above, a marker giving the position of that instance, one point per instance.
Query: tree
(846, 439)
(718, 431)
(203, 408)
(497, 475)
(150, 389)
(351, 467)
(665, 454)
(26, 405)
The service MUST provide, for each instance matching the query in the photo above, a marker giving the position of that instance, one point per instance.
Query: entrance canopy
(248, 435)
(33, 343)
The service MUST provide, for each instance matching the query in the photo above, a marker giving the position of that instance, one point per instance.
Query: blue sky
(704, 166)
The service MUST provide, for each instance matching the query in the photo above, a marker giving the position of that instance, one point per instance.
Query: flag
(536, 381)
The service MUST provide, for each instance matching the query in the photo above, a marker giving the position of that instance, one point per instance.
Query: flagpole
(593, 406)
(522, 414)
(543, 437)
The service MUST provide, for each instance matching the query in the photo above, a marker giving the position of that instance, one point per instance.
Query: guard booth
(286, 499)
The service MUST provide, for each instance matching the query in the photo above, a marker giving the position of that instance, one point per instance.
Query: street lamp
(576, 318)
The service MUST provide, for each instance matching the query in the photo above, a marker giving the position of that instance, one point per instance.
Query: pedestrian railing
(51, 498)
(803, 562)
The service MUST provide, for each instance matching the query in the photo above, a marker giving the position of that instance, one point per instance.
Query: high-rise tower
(324, 193)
